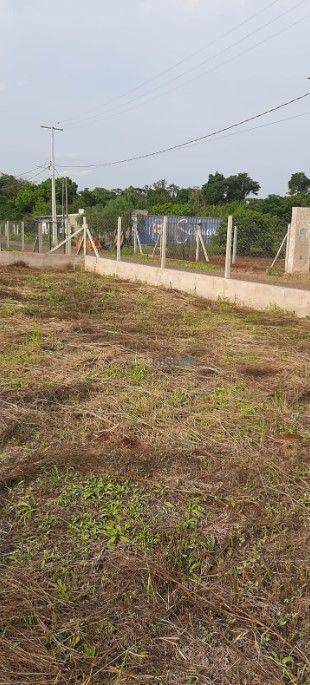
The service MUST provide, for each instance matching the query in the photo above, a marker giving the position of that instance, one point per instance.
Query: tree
(25, 199)
(45, 188)
(173, 190)
(241, 185)
(9, 185)
(158, 193)
(97, 196)
(86, 198)
(219, 189)
(183, 195)
(10, 188)
(196, 199)
(299, 183)
(136, 196)
(214, 191)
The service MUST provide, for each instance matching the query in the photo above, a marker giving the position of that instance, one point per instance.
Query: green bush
(259, 235)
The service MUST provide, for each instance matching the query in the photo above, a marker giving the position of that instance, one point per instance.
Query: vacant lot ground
(153, 487)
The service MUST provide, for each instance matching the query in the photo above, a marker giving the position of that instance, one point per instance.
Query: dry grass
(153, 456)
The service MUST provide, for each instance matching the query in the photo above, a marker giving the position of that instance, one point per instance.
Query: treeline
(262, 221)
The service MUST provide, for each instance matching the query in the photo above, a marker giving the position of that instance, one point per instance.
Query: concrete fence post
(234, 252)
(68, 236)
(135, 229)
(164, 243)
(287, 246)
(84, 236)
(22, 235)
(40, 242)
(118, 239)
(228, 246)
(7, 234)
(197, 246)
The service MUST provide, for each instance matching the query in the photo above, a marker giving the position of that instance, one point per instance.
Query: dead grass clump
(18, 264)
(51, 397)
(258, 371)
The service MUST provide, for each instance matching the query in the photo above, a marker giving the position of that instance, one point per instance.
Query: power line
(46, 168)
(247, 130)
(192, 141)
(181, 61)
(221, 64)
(255, 128)
(177, 87)
(21, 174)
(124, 108)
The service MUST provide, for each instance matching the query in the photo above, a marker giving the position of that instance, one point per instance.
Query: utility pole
(53, 128)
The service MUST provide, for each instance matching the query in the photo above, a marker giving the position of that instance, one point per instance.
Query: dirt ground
(153, 473)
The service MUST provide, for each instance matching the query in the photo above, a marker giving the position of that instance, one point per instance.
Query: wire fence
(233, 248)
(201, 243)
(31, 235)
(252, 249)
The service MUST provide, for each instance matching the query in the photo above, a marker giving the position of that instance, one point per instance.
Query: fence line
(210, 246)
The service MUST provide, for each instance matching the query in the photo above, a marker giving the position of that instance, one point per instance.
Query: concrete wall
(246, 293)
(40, 261)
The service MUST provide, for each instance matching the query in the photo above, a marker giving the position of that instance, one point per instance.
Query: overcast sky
(71, 60)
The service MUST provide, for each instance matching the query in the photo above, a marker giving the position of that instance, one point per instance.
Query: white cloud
(3, 86)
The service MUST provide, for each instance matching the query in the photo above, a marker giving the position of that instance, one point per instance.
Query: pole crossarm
(54, 127)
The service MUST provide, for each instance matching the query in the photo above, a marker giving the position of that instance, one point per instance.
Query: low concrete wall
(247, 293)
(40, 261)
